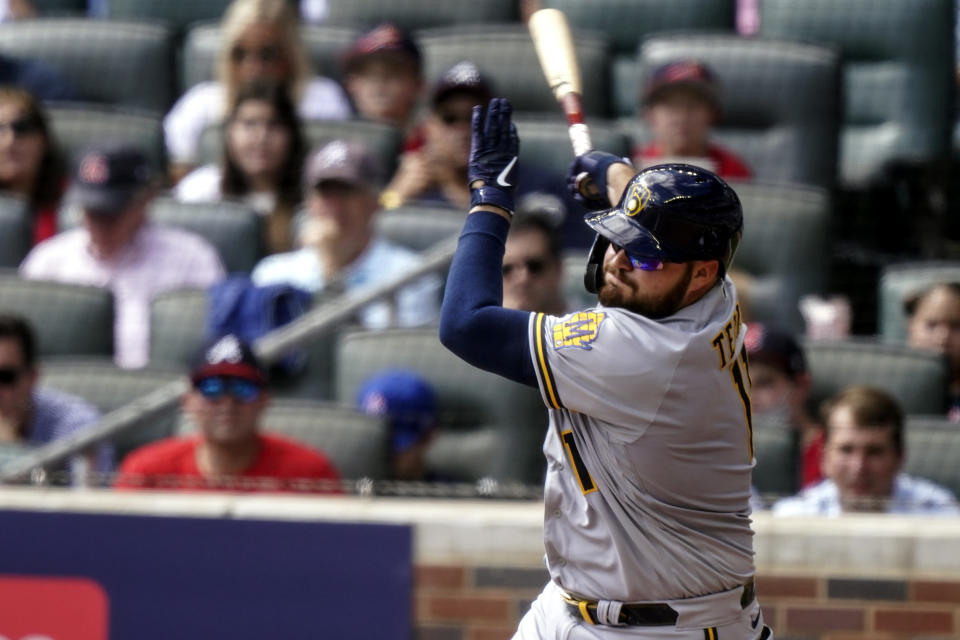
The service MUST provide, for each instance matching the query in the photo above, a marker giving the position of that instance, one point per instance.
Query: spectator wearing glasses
(35, 415)
(117, 247)
(31, 165)
(533, 265)
(341, 251)
(260, 40)
(261, 162)
(231, 450)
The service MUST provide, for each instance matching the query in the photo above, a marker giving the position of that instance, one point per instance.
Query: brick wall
(485, 603)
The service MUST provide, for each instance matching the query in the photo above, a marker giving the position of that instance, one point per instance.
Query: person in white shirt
(862, 458)
(341, 251)
(259, 40)
(261, 162)
(118, 248)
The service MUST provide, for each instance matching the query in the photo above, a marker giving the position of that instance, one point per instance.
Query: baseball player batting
(649, 448)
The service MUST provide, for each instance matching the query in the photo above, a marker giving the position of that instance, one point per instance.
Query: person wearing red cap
(230, 452)
(681, 104)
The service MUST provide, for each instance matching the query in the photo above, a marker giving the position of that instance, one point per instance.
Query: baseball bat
(553, 42)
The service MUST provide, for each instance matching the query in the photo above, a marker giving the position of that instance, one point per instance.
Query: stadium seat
(777, 470)
(419, 14)
(898, 67)
(545, 143)
(574, 265)
(231, 227)
(783, 249)
(917, 379)
(933, 448)
(628, 22)
(384, 140)
(78, 125)
(201, 43)
(489, 426)
(419, 227)
(108, 62)
(16, 230)
(178, 327)
(506, 55)
(109, 387)
(781, 101)
(178, 14)
(69, 319)
(897, 281)
(356, 443)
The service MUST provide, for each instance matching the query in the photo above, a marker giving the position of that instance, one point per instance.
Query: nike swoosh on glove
(494, 146)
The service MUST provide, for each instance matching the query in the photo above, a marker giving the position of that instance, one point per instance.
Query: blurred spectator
(933, 324)
(780, 393)
(384, 75)
(40, 79)
(116, 247)
(411, 406)
(230, 451)
(261, 162)
(259, 40)
(681, 104)
(31, 165)
(861, 462)
(16, 10)
(533, 265)
(36, 415)
(341, 251)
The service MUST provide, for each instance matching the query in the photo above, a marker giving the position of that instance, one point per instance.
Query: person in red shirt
(681, 104)
(230, 452)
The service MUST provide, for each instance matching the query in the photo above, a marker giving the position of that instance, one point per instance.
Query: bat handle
(580, 139)
(586, 187)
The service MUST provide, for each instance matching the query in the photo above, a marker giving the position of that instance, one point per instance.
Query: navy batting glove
(494, 145)
(593, 165)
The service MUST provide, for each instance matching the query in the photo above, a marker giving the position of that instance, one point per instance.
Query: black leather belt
(646, 614)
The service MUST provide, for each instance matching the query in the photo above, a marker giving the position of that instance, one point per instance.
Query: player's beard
(637, 301)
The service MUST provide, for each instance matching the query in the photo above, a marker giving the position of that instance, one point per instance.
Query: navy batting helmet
(670, 212)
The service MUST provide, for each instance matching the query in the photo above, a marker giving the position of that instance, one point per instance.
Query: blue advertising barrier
(183, 578)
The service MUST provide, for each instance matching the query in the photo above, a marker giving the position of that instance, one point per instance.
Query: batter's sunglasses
(644, 264)
(215, 387)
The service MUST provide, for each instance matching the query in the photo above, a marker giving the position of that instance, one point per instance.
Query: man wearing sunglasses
(230, 452)
(533, 266)
(649, 448)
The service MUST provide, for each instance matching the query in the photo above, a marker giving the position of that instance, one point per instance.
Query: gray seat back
(932, 450)
(898, 281)
(781, 101)
(16, 230)
(917, 379)
(178, 14)
(418, 227)
(419, 14)
(545, 143)
(178, 327)
(489, 426)
(68, 319)
(898, 67)
(356, 443)
(77, 126)
(106, 61)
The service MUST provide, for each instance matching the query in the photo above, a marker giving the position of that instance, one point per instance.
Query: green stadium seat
(419, 14)
(932, 450)
(898, 68)
(505, 54)
(419, 227)
(781, 101)
(627, 22)
(489, 426)
(16, 230)
(78, 125)
(545, 143)
(775, 448)
(357, 444)
(178, 327)
(69, 319)
(324, 44)
(783, 249)
(897, 281)
(109, 62)
(917, 379)
(109, 387)
(178, 14)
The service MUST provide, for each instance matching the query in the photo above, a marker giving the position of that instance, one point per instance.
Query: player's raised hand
(494, 146)
(595, 165)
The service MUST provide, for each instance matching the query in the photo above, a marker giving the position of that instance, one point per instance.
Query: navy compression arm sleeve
(473, 324)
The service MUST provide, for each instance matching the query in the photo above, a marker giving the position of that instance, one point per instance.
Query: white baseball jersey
(649, 450)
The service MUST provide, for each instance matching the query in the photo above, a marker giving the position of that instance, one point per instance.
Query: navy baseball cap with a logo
(107, 177)
(227, 356)
(463, 77)
(385, 40)
(406, 399)
(689, 74)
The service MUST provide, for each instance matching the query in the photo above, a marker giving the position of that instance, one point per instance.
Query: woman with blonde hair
(31, 165)
(259, 41)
